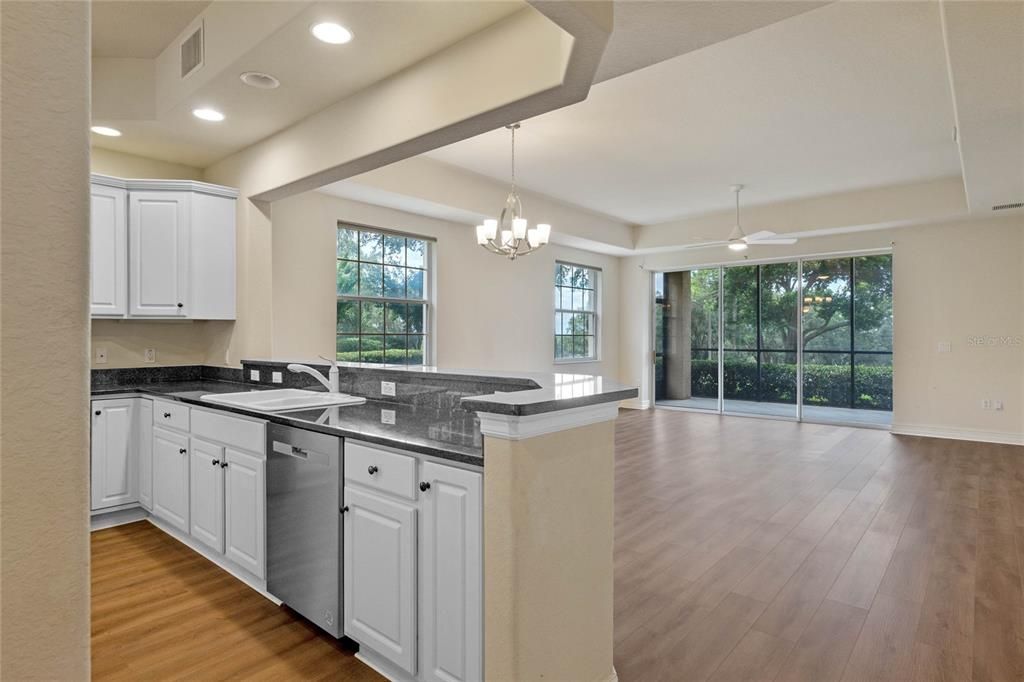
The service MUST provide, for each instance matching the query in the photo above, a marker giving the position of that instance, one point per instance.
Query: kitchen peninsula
(537, 447)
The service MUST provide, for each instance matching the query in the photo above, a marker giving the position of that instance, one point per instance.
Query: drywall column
(678, 324)
(44, 280)
(548, 541)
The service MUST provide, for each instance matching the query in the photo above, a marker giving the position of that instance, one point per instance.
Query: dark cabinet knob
(372, 469)
(216, 462)
(181, 305)
(167, 415)
(344, 509)
(182, 450)
(98, 413)
(224, 464)
(424, 486)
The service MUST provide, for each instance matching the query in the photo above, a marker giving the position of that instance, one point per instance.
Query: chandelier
(510, 235)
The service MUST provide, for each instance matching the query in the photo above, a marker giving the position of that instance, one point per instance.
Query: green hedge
(824, 385)
(392, 356)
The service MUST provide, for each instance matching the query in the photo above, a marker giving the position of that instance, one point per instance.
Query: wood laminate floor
(750, 549)
(746, 549)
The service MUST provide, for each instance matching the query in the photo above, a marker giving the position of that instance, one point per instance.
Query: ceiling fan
(739, 240)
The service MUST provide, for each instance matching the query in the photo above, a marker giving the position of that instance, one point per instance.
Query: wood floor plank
(823, 650)
(885, 647)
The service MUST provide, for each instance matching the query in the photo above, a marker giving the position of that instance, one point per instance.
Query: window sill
(577, 361)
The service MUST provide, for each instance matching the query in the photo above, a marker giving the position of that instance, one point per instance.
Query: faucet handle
(333, 361)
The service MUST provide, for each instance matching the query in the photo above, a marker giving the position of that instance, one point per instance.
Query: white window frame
(429, 287)
(597, 278)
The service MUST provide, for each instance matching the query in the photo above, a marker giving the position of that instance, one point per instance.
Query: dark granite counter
(451, 434)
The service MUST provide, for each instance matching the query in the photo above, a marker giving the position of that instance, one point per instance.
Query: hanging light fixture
(510, 235)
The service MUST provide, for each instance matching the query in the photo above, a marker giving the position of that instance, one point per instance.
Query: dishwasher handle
(290, 450)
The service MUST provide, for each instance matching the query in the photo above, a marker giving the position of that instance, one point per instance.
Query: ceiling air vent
(1003, 207)
(192, 52)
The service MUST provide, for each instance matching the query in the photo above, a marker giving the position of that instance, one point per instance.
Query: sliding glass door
(686, 339)
(809, 339)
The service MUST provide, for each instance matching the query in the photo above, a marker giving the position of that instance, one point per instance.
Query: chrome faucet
(331, 383)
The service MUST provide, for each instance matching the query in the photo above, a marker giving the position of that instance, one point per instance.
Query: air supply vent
(1003, 207)
(192, 52)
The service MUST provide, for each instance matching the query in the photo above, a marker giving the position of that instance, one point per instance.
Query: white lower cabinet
(171, 477)
(245, 511)
(451, 589)
(206, 493)
(380, 575)
(112, 465)
(413, 570)
(144, 446)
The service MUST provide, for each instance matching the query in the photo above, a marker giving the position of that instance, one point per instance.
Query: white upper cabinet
(158, 262)
(108, 281)
(175, 257)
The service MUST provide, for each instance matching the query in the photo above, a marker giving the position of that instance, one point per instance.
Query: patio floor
(812, 413)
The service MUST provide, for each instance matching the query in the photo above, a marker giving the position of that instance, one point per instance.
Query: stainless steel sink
(280, 400)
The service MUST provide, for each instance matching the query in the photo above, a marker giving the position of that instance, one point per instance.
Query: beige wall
(490, 313)
(121, 165)
(952, 281)
(44, 465)
(126, 341)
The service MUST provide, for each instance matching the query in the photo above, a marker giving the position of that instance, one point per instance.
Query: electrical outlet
(945, 347)
(387, 388)
(986, 404)
(254, 375)
(387, 416)
(997, 405)
(150, 355)
(275, 377)
(100, 355)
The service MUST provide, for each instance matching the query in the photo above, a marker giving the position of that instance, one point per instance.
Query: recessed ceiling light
(332, 33)
(258, 79)
(104, 130)
(208, 114)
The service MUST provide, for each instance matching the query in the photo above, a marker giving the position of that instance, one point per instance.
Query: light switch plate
(100, 353)
(387, 416)
(254, 375)
(150, 355)
(275, 377)
(387, 388)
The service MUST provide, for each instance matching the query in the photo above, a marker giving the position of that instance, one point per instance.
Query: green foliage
(824, 385)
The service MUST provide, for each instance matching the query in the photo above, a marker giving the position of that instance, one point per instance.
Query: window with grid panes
(383, 303)
(576, 311)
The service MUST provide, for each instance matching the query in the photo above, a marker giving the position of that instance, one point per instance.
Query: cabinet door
(113, 466)
(108, 230)
(380, 576)
(206, 493)
(245, 511)
(158, 228)
(144, 449)
(170, 477)
(451, 565)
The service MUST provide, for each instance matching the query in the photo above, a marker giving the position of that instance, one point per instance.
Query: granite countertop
(531, 392)
(446, 434)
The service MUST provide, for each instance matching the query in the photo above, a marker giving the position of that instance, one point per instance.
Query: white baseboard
(117, 517)
(928, 431)
(635, 404)
(384, 667)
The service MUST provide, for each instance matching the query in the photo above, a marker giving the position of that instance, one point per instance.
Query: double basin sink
(281, 400)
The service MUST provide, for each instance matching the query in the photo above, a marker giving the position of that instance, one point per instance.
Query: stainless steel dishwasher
(304, 543)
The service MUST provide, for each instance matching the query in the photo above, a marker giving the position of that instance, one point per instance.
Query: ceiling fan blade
(705, 245)
(763, 234)
(773, 242)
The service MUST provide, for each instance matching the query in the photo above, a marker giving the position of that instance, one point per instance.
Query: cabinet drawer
(240, 433)
(392, 473)
(171, 415)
